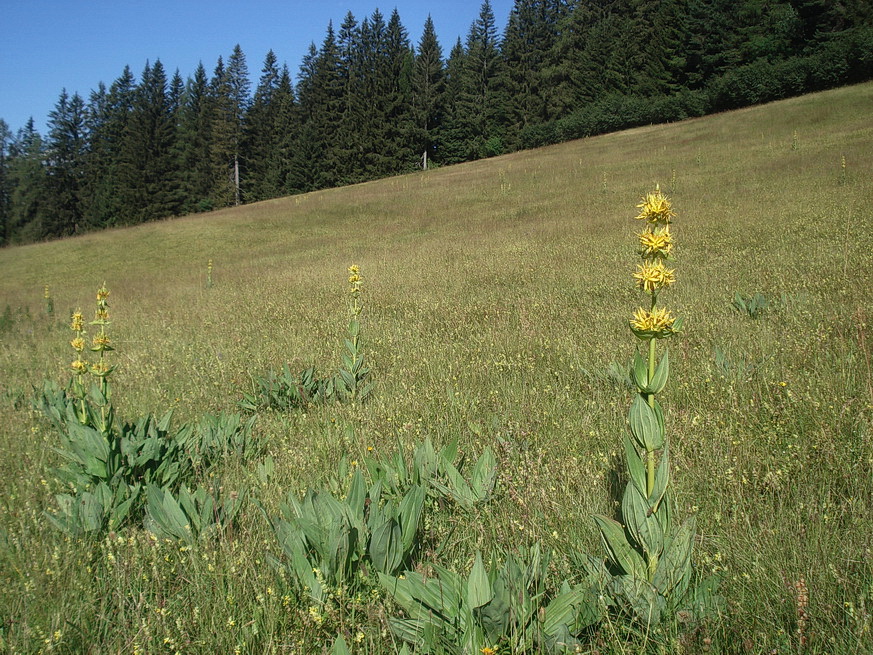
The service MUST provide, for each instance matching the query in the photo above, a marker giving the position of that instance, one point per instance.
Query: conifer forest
(366, 102)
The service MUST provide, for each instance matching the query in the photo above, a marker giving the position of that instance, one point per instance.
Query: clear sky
(49, 45)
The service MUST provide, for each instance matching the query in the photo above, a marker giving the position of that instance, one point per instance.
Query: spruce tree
(428, 88)
(527, 48)
(5, 187)
(455, 133)
(108, 115)
(152, 185)
(286, 127)
(307, 153)
(260, 134)
(65, 166)
(659, 58)
(483, 101)
(27, 184)
(323, 106)
(238, 86)
(222, 119)
(373, 91)
(349, 144)
(195, 134)
(400, 153)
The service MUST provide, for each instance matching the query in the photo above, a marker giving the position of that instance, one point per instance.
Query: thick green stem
(652, 363)
(650, 398)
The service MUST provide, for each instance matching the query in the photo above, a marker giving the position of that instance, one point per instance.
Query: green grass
(497, 295)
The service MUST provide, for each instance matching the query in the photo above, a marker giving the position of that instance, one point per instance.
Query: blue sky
(49, 45)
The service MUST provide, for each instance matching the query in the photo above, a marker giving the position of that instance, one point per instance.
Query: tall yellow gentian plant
(650, 559)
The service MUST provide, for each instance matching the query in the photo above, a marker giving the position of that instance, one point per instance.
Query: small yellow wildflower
(77, 322)
(656, 244)
(651, 276)
(655, 208)
(488, 651)
(315, 615)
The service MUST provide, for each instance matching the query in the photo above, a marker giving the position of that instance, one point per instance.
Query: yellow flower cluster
(655, 321)
(77, 322)
(355, 280)
(100, 369)
(100, 342)
(656, 244)
(653, 276)
(101, 313)
(77, 325)
(655, 209)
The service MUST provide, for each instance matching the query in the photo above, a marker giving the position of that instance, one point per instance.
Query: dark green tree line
(367, 103)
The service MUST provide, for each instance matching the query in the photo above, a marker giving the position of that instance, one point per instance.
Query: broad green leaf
(91, 511)
(662, 371)
(641, 373)
(642, 598)
(164, 422)
(561, 612)
(645, 425)
(494, 615)
(676, 562)
(479, 590)
(386, 547)
(458, 487)
(356, 496)
(483, 476)
(641, 523)
(340, 647)
(635, 465)
(421, 598)
(620, 551)
(450, 450)
(662, 477)
(410, 514)
(177, 522)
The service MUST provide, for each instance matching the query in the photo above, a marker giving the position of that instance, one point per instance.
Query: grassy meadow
(496, 299)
